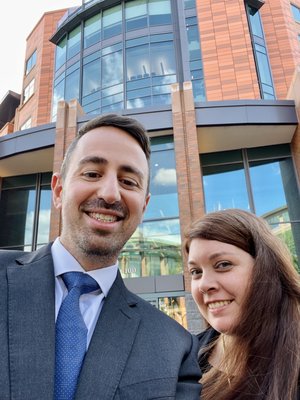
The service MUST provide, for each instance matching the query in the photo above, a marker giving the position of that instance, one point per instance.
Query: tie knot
(84, 282)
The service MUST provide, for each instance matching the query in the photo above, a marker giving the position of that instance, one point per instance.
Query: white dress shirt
(90, 303)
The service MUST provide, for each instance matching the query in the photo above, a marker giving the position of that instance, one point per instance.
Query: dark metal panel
(140, 285)
(169, 283)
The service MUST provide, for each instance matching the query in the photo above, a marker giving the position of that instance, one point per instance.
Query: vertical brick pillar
(66, 130)
(294, 94)
(189, 180)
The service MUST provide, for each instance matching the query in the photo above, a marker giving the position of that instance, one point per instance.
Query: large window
(296, 12)
(151, 68)
(25, 208)
(260, 53)
(92, 30)
(28, 91)
(195, 57)
(260, 180)
(154, 249)
(30, 63)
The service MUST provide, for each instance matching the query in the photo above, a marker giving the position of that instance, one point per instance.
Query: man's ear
(57, 188)
(146, 202)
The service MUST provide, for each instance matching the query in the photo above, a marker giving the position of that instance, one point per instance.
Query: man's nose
(109, 189)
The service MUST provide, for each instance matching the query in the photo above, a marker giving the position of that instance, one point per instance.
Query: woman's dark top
(205, 338)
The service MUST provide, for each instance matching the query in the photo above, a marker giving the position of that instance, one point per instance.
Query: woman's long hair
(266, 350)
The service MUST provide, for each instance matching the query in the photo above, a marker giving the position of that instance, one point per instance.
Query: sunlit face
(103, 196)
(220, 277)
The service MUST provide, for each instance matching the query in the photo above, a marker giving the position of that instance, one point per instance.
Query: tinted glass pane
(175, 308)
(194, 44)
(73, 42)
(255, 22)
(112, 69)
(58, 94)
(92, 32)
(154, 249)
(163, 186)
(136, 14)
(160, 12)
(72, 86)
(44, 216)
(61, 53)
(112, 22)
(225, 187)
(162, 59)
(296, 12)
(91, 81)
(17, 214)
(17, 181)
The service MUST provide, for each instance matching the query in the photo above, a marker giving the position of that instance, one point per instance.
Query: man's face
(102, 197)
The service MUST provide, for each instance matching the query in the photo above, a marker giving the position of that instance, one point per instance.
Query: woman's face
(220, 274)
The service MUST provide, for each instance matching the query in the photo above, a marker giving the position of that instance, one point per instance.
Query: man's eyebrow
(93, 160)
(132, 170)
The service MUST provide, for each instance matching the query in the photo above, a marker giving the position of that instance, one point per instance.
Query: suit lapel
(31, 316)
(111, 345)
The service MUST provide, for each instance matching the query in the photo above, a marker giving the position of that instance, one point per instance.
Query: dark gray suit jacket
(136, 352)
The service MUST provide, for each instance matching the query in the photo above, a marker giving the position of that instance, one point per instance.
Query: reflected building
(217, 94)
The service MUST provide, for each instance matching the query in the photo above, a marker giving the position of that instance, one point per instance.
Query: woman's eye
(196, 273)
(223, 265)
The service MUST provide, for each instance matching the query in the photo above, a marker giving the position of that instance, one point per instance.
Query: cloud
(165, 177)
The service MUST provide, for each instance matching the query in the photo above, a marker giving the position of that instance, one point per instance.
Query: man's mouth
(104, 217)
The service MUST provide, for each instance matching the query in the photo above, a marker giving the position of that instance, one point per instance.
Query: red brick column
(66, 130)
(189, 179)
(294, 94)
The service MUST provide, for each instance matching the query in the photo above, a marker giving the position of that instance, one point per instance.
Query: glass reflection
(225, 187)
(175, 308)
(154, 249)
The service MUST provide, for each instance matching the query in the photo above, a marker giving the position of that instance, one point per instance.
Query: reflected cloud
(165, 176)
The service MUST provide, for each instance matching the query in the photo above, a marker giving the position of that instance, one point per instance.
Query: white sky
(18, 18)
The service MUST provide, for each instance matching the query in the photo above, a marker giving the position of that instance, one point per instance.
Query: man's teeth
(218, 304)
(103, 217)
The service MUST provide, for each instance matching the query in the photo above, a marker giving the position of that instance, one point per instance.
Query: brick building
(216, 84)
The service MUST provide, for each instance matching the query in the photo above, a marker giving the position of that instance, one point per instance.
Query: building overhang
(8, 107)
(221, 126)
(229, 125)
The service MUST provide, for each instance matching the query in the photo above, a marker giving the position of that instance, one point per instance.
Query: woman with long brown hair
(248, 292)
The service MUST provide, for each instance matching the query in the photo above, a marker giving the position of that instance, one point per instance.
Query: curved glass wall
(261, 180)
(124, 57)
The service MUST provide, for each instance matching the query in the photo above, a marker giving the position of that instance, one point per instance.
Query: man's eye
(91, 175)
(128, 182)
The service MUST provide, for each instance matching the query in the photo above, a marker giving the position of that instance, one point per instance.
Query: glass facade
(25, 207)
(260, 53)
(155, 247)
(125, 57)
(261, 180)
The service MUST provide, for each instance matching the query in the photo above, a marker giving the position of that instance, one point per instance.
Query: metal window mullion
(36, 211)
(248, 180)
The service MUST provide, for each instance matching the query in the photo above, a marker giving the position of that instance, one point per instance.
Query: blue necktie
(71, 335)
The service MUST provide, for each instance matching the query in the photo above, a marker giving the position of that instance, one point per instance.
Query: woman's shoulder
(207, 336)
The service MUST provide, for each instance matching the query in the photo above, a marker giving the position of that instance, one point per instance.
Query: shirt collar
(64, 262)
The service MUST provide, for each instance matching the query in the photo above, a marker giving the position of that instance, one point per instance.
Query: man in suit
(132, 351)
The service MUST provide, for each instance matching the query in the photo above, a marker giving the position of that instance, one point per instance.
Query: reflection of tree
(278, 220)
(175, 308)
(157, 256)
